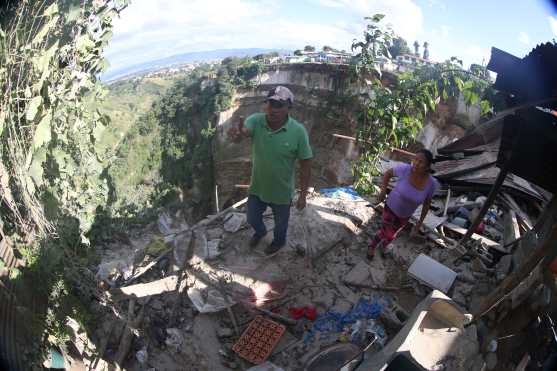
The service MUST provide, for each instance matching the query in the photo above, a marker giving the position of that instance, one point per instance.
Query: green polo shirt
(274, 154)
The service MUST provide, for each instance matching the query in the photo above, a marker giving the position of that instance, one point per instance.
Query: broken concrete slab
(207, 300)
(359, 274)
(432, 273)
(168, 225)
(233, 222)
(425, 339)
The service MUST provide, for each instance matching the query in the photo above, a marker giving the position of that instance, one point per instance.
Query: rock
(142, 356)
(359, 274)
(234, 221)
(503, 267)
(378, 275)
(224, 332)
(156, 246)
(174, 339)
(169, 226)
(475, 364)
(200, 246)
(215, 233)
(459, 298)
(156, 304)
(466, 276)
(491, 361)
(213, 249)
(472, 332)
(181, 245)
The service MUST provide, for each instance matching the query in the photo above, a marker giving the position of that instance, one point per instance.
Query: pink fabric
(390, 226)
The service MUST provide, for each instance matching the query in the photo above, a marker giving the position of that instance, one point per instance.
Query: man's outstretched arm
(238, 131)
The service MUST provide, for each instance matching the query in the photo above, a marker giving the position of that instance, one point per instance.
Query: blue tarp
(343, 193)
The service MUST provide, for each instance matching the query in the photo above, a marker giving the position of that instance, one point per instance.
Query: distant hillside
(192, 57)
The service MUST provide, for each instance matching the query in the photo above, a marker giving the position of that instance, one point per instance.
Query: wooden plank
(474, 236)
(141, 290)
(521, 214)
(512, 229)
(516, 277)
(490, 198)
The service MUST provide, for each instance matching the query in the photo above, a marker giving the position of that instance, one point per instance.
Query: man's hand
(236, 132)
(301, 203)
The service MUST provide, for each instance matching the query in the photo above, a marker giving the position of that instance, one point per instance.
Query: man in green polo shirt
(277, 141)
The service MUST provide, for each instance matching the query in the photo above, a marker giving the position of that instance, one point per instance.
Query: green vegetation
(125, 102)
(395, 111)
(166, 152)
(51, 170)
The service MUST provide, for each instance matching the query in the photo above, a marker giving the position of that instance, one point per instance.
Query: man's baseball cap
(280, 93)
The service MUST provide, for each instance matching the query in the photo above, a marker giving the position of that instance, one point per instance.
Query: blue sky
(149, 29)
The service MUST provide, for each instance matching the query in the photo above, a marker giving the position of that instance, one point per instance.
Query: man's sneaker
(273, 248)
(254, 241)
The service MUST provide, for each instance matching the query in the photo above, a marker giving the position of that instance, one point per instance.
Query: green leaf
(36, 170)
(43, 132)
(393, 122)
(2, 121)
(44, 30)
(485, 107)
(14, 273)
(51, 10)
(84, 43)
(33, 108)
(73, 13)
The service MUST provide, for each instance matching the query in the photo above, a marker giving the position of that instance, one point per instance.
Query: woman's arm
(384, 184)
(425, 208)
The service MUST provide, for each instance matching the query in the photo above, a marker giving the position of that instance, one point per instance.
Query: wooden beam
(141, 290)
(403, 152)
(490, 198)
(521, 214)
(515, 278)
(340, 136)
(462, 231)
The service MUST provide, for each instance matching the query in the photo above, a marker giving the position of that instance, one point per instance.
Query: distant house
(319, 57)
(409, 62)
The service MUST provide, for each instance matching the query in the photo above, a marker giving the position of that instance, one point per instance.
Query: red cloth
(391, 224)
(299, 312)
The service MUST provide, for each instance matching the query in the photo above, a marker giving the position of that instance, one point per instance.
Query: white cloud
(553, 24)
(445, 31)
(524, 38)
(405, 15)
(149, 30)
(476, 54)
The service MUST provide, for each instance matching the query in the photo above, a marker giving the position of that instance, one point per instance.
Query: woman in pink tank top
(415, 186)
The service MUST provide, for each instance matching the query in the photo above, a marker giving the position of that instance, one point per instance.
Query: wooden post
(217, 198)
(490, 198)
(519, 275)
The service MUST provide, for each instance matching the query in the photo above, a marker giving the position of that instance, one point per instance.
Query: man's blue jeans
(281, 213)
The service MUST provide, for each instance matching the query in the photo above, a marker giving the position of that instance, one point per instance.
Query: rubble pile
(184, 294)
